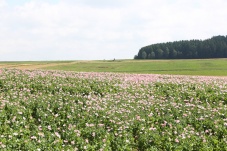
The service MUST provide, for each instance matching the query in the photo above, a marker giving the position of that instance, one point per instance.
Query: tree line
(215, 47)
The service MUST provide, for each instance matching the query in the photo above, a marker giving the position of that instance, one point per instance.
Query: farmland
(207, 67)
(58, 110)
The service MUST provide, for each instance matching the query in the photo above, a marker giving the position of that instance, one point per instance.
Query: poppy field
(58, 110)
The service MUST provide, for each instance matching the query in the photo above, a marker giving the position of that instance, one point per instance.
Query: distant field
(32, 64)
(211, 67)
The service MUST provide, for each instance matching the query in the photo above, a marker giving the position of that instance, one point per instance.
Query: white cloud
(73, 29)
(2, 3)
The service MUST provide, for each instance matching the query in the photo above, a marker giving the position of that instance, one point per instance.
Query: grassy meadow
(208, 67)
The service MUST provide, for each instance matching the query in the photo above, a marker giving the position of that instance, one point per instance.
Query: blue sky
(102, 29)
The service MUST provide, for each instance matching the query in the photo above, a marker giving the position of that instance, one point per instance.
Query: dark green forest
(215, 47)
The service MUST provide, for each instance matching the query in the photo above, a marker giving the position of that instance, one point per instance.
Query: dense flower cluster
(54, 110)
